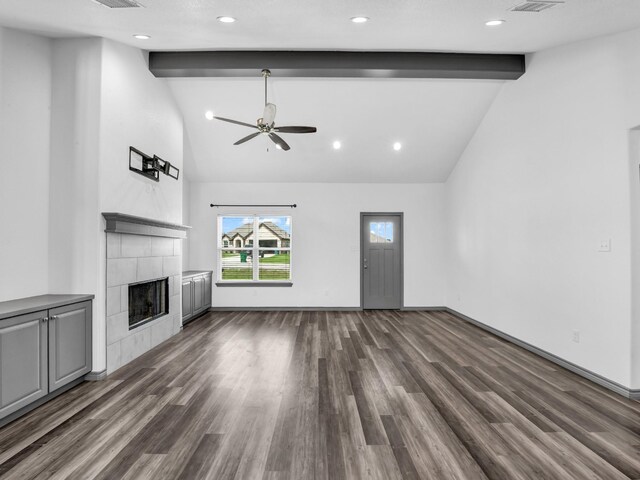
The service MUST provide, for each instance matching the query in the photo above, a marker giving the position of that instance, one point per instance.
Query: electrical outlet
(576, 336)
(604, 245)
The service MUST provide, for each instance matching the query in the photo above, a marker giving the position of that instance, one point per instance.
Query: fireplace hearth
(148, 301)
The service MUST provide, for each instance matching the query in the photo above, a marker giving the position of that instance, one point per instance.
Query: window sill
(254, 284)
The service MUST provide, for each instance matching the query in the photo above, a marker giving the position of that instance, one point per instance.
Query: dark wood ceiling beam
(337, 64)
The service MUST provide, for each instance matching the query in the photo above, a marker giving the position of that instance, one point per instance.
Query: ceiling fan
(266, 125)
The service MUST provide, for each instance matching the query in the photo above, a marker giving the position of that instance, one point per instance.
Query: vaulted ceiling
(433, 119)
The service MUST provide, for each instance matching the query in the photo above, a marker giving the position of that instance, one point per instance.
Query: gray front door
(381, 260)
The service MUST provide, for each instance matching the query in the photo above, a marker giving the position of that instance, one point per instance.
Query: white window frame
(255, 250)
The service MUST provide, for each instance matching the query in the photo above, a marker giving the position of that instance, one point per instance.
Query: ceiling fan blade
(235, 121)
(269, 114)
(296, 129)
(279, 141)
(247, 138)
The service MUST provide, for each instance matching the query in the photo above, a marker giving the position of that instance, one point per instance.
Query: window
(267, 260)
(381, 232)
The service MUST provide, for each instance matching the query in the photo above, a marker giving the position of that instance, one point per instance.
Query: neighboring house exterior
(375, 238)
(269, 235)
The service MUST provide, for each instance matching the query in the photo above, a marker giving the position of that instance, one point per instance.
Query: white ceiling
(434, 119)
(432, 25)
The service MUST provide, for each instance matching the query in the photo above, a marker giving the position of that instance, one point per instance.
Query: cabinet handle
(45, 319)
(53, 317)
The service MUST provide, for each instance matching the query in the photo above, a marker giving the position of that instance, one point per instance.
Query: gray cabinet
(207, 289)
(196, 293)
(23, 361)
(187, 301)
(41, 349)
(69, 343)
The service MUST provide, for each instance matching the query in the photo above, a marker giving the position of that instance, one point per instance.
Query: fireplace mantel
(132, 225)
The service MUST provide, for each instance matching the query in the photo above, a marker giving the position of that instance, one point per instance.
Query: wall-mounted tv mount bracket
(149, 166)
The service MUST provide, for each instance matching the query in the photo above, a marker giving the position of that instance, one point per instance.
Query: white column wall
(25, 102)
(75, 258)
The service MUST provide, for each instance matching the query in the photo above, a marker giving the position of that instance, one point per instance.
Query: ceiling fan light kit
(266, 124)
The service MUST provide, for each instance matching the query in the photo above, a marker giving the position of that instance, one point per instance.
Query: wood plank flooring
(330, 395)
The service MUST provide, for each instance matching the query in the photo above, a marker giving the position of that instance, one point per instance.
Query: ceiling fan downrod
(266, 73)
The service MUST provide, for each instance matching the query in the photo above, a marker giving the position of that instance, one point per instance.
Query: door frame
(401, 238)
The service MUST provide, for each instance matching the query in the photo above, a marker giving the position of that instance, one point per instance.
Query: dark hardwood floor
(330, 395)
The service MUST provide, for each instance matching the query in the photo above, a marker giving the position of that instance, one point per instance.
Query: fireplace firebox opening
(148, 301)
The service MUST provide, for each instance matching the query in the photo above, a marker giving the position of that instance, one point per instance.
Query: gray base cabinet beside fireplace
(196, 293)
(45, 344)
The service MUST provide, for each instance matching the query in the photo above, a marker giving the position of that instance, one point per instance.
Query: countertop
(193, 273)
(20, 306)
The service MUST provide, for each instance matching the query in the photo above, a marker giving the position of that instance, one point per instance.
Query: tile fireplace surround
(139, 250)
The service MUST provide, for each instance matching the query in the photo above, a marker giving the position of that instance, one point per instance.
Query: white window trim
(255, 252)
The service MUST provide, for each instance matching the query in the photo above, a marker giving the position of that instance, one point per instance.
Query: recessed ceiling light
(226, 19)
(359, 19)
(337, 145)
(141, 36)
(209, 115)
(397, 146)
(494, 23)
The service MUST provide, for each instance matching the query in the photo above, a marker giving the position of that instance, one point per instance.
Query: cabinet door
(207, 290)
(187, 300)
(198, 294)
(23, 361)
(69, 343)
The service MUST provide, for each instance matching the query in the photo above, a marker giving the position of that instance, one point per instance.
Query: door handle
(365, 263)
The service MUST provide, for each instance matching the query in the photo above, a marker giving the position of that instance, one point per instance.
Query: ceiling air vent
(119, 3)
(535, 6)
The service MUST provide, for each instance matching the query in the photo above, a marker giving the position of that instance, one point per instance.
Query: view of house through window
(241, 257)
(381, 232)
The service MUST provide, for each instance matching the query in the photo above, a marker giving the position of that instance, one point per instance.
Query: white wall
(544, 179)
(326, 240)
(634, 184)
(25, 101)
(628, 52)
(186, 220)
(137, 110)
(73, 202)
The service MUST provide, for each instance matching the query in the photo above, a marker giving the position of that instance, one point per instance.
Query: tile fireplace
(144, 266)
